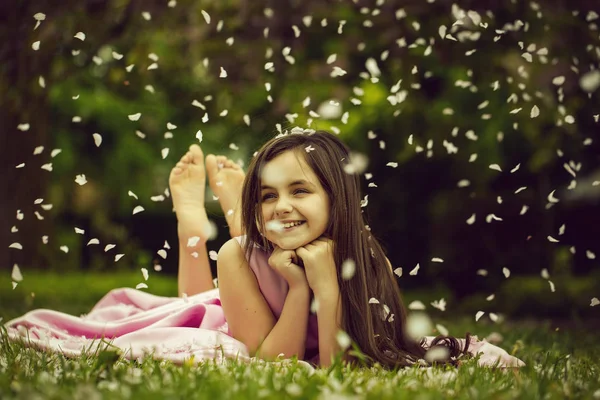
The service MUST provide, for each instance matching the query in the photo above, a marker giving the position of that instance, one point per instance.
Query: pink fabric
(173, 328)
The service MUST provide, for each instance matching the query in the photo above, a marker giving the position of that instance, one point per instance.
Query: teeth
(290, 224)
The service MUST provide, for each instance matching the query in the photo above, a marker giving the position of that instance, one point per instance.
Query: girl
(281, 289)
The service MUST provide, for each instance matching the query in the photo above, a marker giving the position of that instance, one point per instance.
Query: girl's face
(295, 207)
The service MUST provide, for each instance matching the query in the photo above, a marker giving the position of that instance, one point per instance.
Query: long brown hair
(381, 338)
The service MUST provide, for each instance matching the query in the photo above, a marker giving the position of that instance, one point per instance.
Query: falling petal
(415, 270)
(138, 209)
(80, 179)
(141, 286)
(80, 36)
(416, 305)
(206, 16)
(16, 274)
(535, 112)
(479, 315)
(348, 269)
(118, 257)
(109, 247)
(93, 241)
(97, 139)
(134, 117)
(162, 253)
(506, 272)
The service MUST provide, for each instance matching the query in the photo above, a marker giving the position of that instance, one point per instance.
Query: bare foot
(226, 179)
(188, 182)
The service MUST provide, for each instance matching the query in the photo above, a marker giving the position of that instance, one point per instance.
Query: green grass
(560, 363)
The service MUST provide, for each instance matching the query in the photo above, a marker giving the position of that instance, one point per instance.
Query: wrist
(327, 294)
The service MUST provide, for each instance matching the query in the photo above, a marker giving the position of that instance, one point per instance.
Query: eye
(298, 191)
(267, 196)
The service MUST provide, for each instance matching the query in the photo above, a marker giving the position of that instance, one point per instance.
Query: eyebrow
(295, 183)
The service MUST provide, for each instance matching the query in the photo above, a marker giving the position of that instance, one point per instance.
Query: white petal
(118, 257)
(496, 167)
(551, 239)
(80, 36)
(97, 139)
(79, 231)
(471, 220)
(213, 255)
(171, 126)
(93, 241)
(64, 248)
(398, 272)
(134, 117)
(109, 247)
(437, 259)
(16, 245)
(193, 241)
(16, 274)
(144, 273)
(223, 73)
(35, 45)
(348, 269)
(164, 152)
(373, 300)
(80, 179)
(141, 286)
(416, 305)
(162, 253)
(138, 209)
(594, 302)
(199, 136)
(206, 16)
(130, 193)
(535, 112)
(415, 270)
(479, 315)
(506, 272)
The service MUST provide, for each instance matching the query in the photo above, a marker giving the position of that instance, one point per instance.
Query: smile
(291, 225)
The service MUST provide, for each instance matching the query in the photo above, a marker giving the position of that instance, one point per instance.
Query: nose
(283, 206)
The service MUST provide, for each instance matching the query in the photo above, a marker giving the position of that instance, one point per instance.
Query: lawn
(561, 363)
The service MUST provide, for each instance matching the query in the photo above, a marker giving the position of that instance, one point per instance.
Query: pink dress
(170, 328)
(177, 329)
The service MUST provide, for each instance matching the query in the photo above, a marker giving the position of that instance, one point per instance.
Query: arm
(329, 317)
(249, 317)
(194, 275)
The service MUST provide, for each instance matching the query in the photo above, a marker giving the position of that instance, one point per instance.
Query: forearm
(288, 336)
(329, 317)
(194, 274)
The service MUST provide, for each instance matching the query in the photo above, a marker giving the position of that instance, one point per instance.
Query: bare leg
(226, 179)
(187, 183)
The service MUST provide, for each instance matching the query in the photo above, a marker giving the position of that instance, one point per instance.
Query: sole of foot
(187, 183)
(226, 179)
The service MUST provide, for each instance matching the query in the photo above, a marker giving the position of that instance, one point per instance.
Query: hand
(319, 264)
(285, 263)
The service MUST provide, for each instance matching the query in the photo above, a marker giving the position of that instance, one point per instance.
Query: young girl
(281, 289)
(302, 219)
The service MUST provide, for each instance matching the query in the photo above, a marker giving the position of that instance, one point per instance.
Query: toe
(197, 157)
(211, 165)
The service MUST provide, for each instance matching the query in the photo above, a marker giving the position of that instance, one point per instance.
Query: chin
(291, 243)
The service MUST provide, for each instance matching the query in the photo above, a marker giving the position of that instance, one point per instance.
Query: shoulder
(231, 251)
